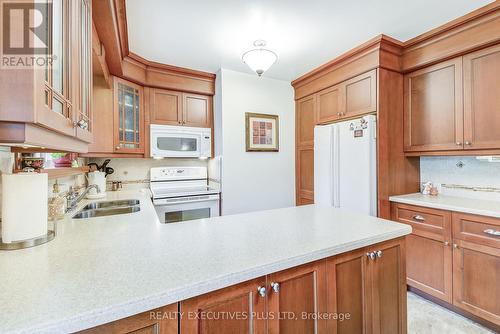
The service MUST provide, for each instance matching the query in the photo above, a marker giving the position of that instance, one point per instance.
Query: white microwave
(170, 141)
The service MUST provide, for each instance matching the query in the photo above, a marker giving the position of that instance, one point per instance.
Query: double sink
(108, 208)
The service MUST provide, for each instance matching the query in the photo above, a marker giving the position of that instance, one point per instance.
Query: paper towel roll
(24, 206)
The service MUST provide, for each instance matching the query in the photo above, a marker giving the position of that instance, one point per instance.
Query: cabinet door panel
(482, 99)
(300, 299)
(388, 288)
(305, 175)
(429, 266)
(236, 309)
(346, 292)
(305, 120)
(330, 104)
(361, 94)
(197, 110)
(476, 273)
(166, 107)
(128, 117)
(433, 110)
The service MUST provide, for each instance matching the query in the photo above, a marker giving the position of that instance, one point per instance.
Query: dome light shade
(260, 59)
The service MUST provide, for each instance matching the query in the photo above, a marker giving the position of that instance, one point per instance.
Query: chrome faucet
(72, 198)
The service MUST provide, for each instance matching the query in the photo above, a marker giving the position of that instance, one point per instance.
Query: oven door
(174, 213)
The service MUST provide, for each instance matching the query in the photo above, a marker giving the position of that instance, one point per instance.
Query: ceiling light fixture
(260, 59)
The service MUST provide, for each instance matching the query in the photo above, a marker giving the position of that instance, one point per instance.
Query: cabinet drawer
(426, 222)
(478, 229)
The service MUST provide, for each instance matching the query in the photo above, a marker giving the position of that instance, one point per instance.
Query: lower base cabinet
(237, 309)
(367, 290)
(163, 320)
(362, 291)
(454, 257)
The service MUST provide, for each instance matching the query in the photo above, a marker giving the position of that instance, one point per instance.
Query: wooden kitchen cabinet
(49, 105)
(360, 94)
(476, 272)
(346, 273)
(237, 309)
(482, 99)
(177, 108)
(128, 117)
(296, 297)
(163, 320)
(368, 285)
(330, 104)
(166, 107)
(476, 265)
(433, 109)
(428, 249)
(304, 154)
(197, 110)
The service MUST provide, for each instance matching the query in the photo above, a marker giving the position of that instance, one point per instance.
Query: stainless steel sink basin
(111, 204)
(109, 208)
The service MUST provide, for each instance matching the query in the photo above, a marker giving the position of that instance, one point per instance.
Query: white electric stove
(182, 193)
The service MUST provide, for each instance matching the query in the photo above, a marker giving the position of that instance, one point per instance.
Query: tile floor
(425, 317)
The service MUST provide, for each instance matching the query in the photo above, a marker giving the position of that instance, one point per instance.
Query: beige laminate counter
(102, 269)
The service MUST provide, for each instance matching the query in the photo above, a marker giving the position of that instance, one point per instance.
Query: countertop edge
(448, 207)
(116, 312)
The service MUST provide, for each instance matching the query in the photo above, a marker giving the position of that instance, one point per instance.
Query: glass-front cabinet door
(57, 112)
(128, 117)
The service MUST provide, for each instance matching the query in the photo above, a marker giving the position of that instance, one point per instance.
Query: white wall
(254, 180)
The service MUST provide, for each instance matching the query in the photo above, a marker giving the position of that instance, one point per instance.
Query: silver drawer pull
(418, 218)
(492, 232)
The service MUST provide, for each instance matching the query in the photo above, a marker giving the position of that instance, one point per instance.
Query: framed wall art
(262, 132)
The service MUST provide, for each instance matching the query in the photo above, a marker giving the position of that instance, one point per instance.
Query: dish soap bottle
(57, 203)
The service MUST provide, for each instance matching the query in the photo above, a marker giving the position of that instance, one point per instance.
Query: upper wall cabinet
(330, 104)
(166, 107)
(49, 105)
(197, 110)
(433, 111)
(360, 95)
(128, 119)
(177, 108)
(351, 98)
(454, 105)
(482, 99)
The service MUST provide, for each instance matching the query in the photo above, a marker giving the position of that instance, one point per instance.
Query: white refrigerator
(345, 165)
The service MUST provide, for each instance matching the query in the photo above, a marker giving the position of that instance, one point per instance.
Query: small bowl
(32, 162)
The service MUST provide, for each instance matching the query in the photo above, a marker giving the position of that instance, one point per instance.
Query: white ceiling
(210, 34)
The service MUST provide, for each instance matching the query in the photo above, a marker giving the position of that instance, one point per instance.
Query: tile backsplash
(133, 170)
(462, 171)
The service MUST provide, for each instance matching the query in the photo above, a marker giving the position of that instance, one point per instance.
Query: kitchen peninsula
(101, 270)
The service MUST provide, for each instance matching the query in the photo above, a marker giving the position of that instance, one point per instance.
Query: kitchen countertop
(102, 269)
(451, 203)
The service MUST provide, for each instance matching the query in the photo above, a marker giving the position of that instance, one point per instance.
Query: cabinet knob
(118, 147)
(275, 286)
(378, 253)
(467, 143)
(339, 114)
(455, 246)
(446, 243)
(371, 255)
(261, 290)
(459, 143)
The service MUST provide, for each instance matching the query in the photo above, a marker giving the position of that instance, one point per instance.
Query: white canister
(99, 179)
